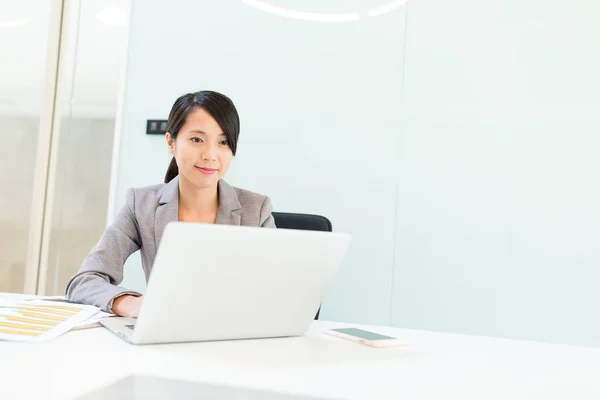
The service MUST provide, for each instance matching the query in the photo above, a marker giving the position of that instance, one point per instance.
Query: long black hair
(219, 106)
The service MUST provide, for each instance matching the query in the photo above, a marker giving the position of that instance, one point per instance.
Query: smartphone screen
(362, 334)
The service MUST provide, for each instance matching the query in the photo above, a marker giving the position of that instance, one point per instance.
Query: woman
(202, 136)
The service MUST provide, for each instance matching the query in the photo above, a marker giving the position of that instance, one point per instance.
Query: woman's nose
(208, 153)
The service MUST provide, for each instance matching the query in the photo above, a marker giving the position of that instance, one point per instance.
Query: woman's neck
(198, 201)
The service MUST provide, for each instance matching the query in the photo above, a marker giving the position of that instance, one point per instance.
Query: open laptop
(222, 282)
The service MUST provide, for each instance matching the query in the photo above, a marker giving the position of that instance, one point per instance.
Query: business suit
(140, 225)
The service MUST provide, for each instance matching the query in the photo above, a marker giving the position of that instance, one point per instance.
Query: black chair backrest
(306, 222)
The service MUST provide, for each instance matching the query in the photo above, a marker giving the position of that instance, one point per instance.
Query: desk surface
(432, 366)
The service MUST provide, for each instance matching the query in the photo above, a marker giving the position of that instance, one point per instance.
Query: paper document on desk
(94, 320)
(4, 297)
(38, 320)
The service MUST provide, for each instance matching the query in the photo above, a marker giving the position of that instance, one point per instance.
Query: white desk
(433, 366)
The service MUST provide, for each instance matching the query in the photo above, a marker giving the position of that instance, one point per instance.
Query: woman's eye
(224, 142)
(196, 140)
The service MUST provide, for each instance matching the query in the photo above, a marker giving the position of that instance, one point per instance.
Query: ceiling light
(17, 22)
(391, 6)
(306, 16)
(112, 16)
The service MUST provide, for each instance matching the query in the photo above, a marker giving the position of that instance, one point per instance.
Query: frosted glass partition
(94, 54)
(24, 49)
(319, 104)
(462, 159)
(498, 228)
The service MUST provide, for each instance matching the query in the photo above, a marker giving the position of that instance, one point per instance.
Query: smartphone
(365, 337)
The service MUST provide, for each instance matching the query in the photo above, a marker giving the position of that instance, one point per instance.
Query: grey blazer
(139, 225)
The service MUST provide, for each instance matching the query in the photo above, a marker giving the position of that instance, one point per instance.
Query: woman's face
(201, 149)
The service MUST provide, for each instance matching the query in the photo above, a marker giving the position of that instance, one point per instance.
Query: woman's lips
(207, 171)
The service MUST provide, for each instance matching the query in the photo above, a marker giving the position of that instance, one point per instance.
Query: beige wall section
(16, 185)
(54, 186)
(82, 181)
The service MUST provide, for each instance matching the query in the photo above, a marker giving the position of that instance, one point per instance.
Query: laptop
(222, 282)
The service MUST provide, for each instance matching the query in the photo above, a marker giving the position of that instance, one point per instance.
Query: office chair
(306, 222)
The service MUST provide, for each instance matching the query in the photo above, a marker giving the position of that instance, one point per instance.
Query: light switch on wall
(156, 127)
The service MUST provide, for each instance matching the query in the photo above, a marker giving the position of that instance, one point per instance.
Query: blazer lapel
(168, 209)
(229, 205)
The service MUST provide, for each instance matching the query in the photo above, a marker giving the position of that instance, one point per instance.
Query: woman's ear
(170, 143)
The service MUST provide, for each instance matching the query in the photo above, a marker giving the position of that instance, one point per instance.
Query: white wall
(499, 216)
(319, 111)
(476, 213)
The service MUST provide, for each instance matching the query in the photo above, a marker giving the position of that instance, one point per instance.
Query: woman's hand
(127, 306)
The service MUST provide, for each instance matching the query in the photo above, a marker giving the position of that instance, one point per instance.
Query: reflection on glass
(94, 60)
(24, 27)
(359, 9)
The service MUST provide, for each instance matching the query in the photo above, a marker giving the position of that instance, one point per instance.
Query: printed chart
(40, 321)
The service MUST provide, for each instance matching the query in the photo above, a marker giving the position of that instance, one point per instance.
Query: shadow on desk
(140, 387)
(279, 352)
